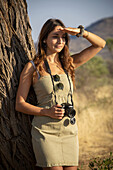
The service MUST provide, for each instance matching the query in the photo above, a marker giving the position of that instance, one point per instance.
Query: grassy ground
(94, 104)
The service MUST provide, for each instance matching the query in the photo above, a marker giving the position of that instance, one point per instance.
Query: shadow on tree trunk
(15, 137)
(16, 49)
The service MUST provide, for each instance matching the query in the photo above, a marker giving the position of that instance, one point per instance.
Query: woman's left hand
(72, 31)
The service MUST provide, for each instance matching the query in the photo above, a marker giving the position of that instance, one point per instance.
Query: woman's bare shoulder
(28, 69)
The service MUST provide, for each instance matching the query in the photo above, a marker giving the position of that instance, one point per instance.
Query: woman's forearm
(55, 111)
(30, 109)
(94, 39)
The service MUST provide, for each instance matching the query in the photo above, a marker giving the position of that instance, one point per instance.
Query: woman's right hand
(70, 30)
(56, 112)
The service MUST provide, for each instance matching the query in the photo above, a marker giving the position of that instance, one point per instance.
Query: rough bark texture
(16, 49)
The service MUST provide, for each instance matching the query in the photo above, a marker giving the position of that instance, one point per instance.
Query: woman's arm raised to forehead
(85, 55)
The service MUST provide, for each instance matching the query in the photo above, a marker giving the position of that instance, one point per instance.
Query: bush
(102, 164)
(94, 69)
(110, 66)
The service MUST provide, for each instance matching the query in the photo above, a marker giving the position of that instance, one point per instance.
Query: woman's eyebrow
(58, 34)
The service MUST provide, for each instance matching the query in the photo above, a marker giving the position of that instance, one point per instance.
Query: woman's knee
(54, 168)
(70, 168)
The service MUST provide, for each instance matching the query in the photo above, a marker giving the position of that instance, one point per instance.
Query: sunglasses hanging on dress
(69, 110)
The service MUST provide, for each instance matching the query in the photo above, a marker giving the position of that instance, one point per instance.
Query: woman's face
(55, 41)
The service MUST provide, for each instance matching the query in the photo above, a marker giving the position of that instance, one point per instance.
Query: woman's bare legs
(61, 168)
(70, 168)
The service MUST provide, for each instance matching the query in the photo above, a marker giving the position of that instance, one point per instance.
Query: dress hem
(60, 164)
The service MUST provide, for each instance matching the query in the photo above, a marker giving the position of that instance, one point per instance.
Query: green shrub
(92, 71)
(96, 67)
(109, 43)
(110, 66)
(102, 164)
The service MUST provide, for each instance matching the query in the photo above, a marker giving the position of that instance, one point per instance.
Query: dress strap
(35, 69)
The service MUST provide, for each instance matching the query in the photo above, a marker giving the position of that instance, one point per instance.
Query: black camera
(69, 111)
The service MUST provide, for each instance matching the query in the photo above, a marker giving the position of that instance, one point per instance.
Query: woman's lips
(59, 46)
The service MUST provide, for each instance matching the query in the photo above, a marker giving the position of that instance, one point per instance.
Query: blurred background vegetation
(94, 104)
(95, 73)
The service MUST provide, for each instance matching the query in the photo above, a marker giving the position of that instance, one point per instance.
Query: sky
(72, 12)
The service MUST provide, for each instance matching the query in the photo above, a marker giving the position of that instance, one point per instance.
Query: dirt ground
(95, 125)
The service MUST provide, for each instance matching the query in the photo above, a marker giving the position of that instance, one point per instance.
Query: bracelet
(87, 35)
(81, 31)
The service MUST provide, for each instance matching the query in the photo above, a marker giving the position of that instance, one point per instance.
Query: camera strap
(49, 71)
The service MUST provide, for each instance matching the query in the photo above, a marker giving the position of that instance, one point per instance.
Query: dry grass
(95, 124)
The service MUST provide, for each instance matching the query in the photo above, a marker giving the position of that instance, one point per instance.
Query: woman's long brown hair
(64, 55)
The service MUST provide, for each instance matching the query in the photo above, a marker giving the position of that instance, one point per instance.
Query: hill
(103, 28)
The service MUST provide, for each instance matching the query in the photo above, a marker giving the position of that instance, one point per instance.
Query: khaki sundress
(55, 142)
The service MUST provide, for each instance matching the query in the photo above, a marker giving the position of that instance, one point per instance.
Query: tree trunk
(16, 49)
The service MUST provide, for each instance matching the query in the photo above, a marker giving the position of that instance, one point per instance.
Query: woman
(54, 135)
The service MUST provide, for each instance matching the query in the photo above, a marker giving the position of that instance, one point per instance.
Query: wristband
(81, 31)
(87, 35)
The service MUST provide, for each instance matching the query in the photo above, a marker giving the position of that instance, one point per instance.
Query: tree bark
(16, 49)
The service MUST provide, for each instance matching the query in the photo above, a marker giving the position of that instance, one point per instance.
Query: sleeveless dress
(55, 142)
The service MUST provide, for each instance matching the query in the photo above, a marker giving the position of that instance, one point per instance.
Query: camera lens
(72, 113)
(72, 121)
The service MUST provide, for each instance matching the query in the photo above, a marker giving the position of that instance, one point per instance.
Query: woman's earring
(44, 43)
